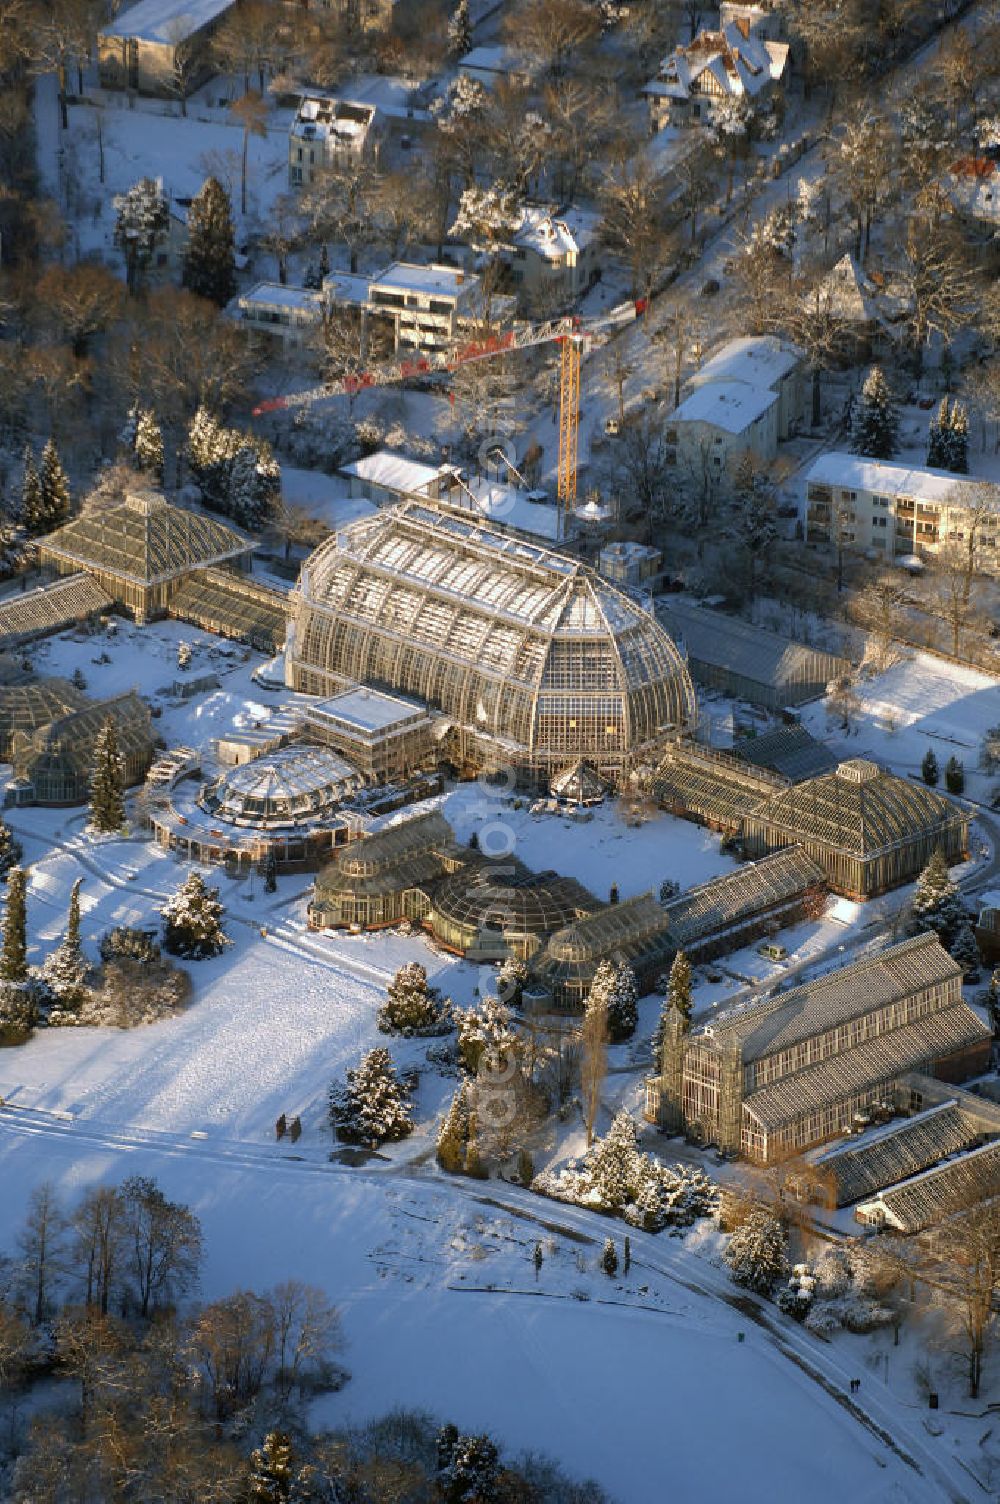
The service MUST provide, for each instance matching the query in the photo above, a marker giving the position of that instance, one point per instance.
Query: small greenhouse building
(385, 878)
(53, 765)
(141, 551)
(869, 830)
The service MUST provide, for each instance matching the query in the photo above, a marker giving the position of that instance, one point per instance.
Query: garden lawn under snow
(626, 1381)
(921, 702)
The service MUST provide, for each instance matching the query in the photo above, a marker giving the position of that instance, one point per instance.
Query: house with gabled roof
(734, 62)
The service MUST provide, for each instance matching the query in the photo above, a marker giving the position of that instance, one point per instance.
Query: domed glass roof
(528, 650)
(294, 785)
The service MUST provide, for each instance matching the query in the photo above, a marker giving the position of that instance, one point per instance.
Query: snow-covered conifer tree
(459, 30)
(965, 951)
(757, 1252)
(669, 890)
(54, 487)
(468, 1468)
(937, 437)
(32, 512)
(614, 1163)
(192, 920)
(954, 776)
(615, 985)
(875, 426)
(148, 445)
(412, 1006)
(10, 850)
(485, 1028)
(254, 485)
(142, 222)
(454, 1133)
(929, 768)
(107, 782)
(679, 988)
(609, 1258)
(64, 971)
(512, 977)
(14, 952)
(938, 904)
(210, 256)
(271, 1470)
(371, 1107)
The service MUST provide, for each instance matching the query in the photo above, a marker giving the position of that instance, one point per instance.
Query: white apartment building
(716, 426)
(890, 509)
(765, 363)
(431, 305)
(328, 129)
(291, 315)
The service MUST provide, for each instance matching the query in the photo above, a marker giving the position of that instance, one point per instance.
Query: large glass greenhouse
(534, 658)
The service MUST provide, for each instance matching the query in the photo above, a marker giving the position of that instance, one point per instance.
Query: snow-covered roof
(167, 22)
(553, 234)
(742, 66)
(367, 710)
(335, 116)
(274, 295)
(504, 62)
(853, 472)
(347, 287)
(850, 294)
(433, 280)
(391, 95)
(730, 405)
(973, 185)
(394, 471)
(758, 360)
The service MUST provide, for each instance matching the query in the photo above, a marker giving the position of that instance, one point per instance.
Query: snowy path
(805, 1362)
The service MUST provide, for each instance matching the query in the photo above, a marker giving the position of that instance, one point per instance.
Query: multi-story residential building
(161, 47)
(429, 305)
(796, 1069)
(766, 364)
(327, 130)
(292, 315)
(895, 509)
(746, 399)
(735, 62)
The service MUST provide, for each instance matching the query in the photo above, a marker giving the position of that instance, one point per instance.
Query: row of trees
(133, 985)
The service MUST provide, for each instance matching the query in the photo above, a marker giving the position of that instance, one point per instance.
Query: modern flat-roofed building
(428, 305)
(161, 47)
(292, 315)
(794, 1070)
(384, 735)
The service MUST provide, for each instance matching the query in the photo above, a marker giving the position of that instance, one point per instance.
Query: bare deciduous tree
(40, 1242)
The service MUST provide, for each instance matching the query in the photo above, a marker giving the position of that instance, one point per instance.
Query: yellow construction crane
(571, 333)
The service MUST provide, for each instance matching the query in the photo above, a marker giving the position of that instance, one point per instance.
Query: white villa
(328, 129)
(554, 252)
(893, 509)
(746, 399)
(429, 306)
(735, 62)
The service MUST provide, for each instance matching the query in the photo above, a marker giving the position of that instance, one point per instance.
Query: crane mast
(571, 333)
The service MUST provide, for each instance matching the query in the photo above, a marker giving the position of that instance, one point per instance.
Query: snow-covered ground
(920, 702)
(324, 497)
(627, 1381)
